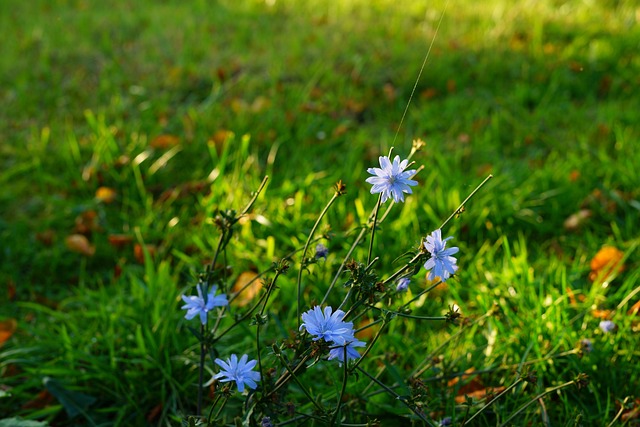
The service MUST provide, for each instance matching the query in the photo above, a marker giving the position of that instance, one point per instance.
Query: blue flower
(403, 284)
(326, 325)
(321, 251)
(352, 353)
(441, 264)
(198, 305)
(239, 371)
(391, 179)
(586, 345)
(607, 326)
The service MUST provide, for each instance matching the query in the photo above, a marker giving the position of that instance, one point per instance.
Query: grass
(543, 95)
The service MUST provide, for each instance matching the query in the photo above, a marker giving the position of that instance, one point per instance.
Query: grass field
(128, 126)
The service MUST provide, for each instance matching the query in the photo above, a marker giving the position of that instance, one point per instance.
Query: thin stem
(302, 387)
(255, 196)
(397, 396)
(345, 376)
(373, 228)
(203, 352)
(540, 396)
(283, 379)
(264, 306)
(459, 209)
(420, 294)
(506, 390)
(304, 252)
(224, 402)
(370, 346)
(215, 402)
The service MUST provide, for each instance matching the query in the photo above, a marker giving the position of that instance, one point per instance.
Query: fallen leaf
(138, 252)
(119, 241)
(154, 413)
(40, 401)
(106, 194)
(260, 104)
(479, 394)
(368, 333)
(80, 244)
(390, 92)
(602, 314)
(46, 237)
(7, 328)
(86, 223)
(11, 290)
(219, 139)
(246, 287)
(632, 413)
(635, 308)
(607, 261)
(577, 220)
(164, 141)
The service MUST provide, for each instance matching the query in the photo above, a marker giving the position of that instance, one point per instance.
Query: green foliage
(543, 96)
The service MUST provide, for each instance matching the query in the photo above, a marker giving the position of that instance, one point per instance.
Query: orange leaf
(635, 308)
(80, 244)
(368, 333)
(602, 314)
(7, 328)
(138, 252)
(164, 141)
(119, 241)
(246, 287)
(479, 394)
(106, 194)
(607, 261)
(219, 138)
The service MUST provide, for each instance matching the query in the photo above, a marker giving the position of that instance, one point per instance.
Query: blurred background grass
(180, 108)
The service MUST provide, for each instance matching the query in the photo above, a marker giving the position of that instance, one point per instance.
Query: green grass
(543, 95)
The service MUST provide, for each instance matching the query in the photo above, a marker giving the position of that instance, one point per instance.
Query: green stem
(345, 376)
(264, 306)
(373, 228)
(397, 397)
(283, 379)
(304, 252)
(459, 209)
(215, 402)
(203, 352)
(224, 402)
(302, 387)
(540, 396)
(506, 390)
(370, 346)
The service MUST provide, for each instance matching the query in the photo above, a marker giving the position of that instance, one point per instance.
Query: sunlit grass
(540, 94)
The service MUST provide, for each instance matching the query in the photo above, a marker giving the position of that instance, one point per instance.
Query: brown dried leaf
(246, 287)
(479, 394)
(7, 328)
(80, 244)
(138, 252)
(46, 237)
(577, 220)
(164, 141)
(119, 241)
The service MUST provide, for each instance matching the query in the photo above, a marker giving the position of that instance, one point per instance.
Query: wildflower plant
(324, 338)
